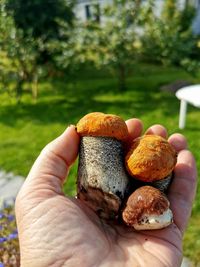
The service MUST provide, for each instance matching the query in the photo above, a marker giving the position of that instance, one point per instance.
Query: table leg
(182, 114)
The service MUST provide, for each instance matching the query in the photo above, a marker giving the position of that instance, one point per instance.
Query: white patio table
(191, 95)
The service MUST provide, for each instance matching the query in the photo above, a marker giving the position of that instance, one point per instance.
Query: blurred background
(61, 59)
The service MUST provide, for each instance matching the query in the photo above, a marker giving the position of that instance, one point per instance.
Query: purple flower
(13, 235)
(3, 239)
(1, 215)
(11, 217)
(2, 265)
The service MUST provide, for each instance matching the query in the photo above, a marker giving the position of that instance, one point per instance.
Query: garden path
(9, 185)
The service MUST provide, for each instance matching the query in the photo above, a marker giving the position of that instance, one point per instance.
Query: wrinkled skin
(55, 230)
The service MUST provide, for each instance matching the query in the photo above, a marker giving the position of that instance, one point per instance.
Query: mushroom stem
(162, 184)
(102, 179)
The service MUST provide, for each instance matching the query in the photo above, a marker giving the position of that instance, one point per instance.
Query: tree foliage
(168, 38)
(18, 62)
(113, 43)
(130, 32)
(40, 19)
(37, 34)
(25, 33)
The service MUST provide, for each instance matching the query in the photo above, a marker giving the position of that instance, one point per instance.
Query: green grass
(26, 128)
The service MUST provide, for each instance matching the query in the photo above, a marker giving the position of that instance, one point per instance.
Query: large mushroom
(147, 208)
(151, 159)
(102, 179)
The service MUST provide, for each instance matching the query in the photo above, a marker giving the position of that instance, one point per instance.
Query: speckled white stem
(154, 221)
(102, 179)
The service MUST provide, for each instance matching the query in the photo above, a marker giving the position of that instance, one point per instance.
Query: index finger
(135, 128)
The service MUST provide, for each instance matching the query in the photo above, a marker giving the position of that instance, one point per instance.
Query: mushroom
(147, 208)
(102, 178)
(151, 159)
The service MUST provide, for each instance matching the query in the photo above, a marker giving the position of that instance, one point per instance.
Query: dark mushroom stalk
(102, 179)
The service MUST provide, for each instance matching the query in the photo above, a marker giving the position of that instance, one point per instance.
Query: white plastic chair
(191, 95)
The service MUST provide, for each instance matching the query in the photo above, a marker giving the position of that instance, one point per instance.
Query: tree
(25, 40)
(40, 20)
(29, 16)
(112, 43)
(168, 38)
(117, 45)
(18, 56)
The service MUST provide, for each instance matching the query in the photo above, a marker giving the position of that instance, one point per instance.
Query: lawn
(26, 128)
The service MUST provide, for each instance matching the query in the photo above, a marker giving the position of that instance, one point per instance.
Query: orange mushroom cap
(150, 158)
(105, 125)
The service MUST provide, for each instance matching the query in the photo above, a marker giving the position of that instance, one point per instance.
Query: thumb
(51, 167)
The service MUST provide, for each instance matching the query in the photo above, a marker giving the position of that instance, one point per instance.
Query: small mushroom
(147, 208)
(102, 178)
(151, 159)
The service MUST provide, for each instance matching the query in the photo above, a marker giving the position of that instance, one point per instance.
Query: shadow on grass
(68, 102)
(65, 101)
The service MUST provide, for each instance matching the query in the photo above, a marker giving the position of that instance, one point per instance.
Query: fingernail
(71, 125)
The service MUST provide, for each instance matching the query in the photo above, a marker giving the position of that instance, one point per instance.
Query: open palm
(58, 231)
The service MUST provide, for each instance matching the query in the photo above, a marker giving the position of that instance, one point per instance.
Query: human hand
(55, 230)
